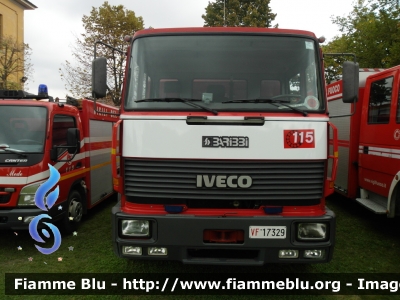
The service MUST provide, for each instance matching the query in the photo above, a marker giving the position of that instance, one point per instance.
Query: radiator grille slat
(272, 181)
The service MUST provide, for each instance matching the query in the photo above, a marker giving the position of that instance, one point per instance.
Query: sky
(51, 29)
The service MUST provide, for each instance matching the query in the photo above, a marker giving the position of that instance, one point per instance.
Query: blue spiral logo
(45, 203)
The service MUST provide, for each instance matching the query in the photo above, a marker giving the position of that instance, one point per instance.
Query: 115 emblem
(299, 138)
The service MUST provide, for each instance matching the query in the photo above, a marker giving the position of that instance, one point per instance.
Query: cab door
(379, 147)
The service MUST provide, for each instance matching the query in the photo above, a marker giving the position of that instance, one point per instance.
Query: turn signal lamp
(131, 250)
(157, 251)
(288, 253)
(315, 254)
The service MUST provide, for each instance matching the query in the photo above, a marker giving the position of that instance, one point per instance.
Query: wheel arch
(394, 197)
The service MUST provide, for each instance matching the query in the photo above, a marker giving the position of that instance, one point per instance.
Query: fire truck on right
(369, 140)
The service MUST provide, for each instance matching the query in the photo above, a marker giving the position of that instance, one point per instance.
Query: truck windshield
(221, 72)
(22, 129)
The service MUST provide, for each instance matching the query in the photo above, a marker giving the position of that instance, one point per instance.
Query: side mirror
(73, 141)
(350, 78)
(99, 77)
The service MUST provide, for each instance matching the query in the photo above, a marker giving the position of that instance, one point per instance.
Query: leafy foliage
(14, 63)
(371, 31)
(107, 24)
(246, 13)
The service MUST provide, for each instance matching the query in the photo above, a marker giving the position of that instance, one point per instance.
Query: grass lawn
(365, 243)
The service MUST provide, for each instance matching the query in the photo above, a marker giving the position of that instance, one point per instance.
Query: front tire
(74, 213)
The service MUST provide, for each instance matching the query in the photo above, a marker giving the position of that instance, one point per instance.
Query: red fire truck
(369, 134)
(223, 147)
(34, 134)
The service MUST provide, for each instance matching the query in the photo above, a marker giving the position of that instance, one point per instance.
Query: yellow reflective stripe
(81, 171)
(74, 173)
(100, 165)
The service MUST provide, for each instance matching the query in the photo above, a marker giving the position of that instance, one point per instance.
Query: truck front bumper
(182, 238)
(19, 218)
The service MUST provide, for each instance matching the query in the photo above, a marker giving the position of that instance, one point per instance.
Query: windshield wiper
(183, 100)
(6, 148)
(272, 101)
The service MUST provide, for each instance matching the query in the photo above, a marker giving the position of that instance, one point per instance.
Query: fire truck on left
(73, 137)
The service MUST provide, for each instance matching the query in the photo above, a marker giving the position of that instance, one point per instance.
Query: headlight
(312, 231)
(138, 228)
(27, 195)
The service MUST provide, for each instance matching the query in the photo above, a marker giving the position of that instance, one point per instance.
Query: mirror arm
(342, 54)
(348, 115)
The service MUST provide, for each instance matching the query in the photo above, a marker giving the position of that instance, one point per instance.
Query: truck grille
(273, 182)
(5, 198)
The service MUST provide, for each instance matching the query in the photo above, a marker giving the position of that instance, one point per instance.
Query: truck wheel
(74, 212)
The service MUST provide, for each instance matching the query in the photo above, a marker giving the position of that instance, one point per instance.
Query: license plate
(267, 232)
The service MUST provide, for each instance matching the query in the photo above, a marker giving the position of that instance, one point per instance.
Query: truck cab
(379, 146)
(369, 134)
(36, 133)
(223, 148)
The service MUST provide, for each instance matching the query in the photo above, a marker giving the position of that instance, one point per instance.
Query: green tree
(107, 24)
(371, 31)
(333, 64)
(15, 65)
(234, 13)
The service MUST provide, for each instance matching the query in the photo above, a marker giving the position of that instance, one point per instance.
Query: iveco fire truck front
(223, 148)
